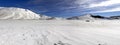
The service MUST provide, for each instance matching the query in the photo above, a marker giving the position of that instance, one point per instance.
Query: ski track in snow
(59, 32)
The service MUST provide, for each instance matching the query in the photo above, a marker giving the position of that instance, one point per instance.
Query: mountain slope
(86, 17)
(114, 17)
(17, 13)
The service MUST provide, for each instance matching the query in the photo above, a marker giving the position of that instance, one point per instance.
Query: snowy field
(59, 32)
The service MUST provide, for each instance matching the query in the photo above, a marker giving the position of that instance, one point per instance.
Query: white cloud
(84, 2)
(109, 10)
(105, 3)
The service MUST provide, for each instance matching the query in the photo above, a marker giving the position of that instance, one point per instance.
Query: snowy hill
(19, 13)
(114, 17)
(87, 17)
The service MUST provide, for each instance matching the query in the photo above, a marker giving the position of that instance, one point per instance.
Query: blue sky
(67, 8)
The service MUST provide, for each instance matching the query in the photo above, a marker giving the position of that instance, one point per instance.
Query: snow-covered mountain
(87, 17)
(19, 13)
(114, 17)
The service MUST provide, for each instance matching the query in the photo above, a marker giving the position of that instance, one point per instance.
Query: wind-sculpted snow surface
(73, 32)
(17, 13)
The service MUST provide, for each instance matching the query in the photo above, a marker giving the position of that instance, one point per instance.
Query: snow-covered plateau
(59, 32)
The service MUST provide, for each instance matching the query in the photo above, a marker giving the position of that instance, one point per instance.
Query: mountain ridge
(20, 13)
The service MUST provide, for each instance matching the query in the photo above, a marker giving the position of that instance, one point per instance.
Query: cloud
(77, 6)
(102, 6)
(86, 3)
(108, 10)
(105, 3)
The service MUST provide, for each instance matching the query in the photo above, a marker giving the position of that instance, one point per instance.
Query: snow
(86, 17)
(59, 32)
(83, 17)
(20, 13)
(89, 17)
(83, 30)
(17, 13)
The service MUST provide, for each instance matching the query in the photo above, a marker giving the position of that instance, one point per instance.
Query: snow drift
(17, 13)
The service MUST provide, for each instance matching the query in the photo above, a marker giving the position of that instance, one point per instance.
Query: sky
(67, 8)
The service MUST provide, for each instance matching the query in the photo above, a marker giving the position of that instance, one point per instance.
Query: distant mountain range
(93, 17)
(20, 13)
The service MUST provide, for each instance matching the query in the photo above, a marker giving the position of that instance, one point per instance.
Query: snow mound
(87, 17)
(17, 13)
(84, 17)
